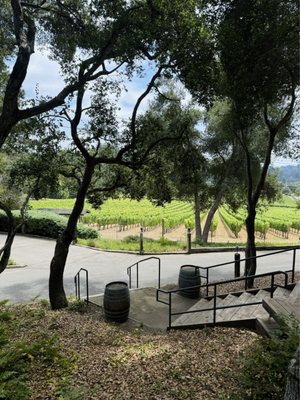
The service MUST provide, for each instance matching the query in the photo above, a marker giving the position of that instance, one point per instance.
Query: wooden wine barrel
(116, 301)
(189, 276)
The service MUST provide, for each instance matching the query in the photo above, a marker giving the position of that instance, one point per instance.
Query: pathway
(23, 284)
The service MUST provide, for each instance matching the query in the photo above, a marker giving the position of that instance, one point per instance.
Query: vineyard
(118, 218)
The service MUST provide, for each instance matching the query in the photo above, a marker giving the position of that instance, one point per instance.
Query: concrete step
(266, 326)
(281, 292)
(236, 313)
(230, 313)
(229, 300)
(262, 294)
(295, 294)
(196, 318)
(254, 311)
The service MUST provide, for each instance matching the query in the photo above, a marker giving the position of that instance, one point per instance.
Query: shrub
(262, 369)
(19, 357)
(46, 223)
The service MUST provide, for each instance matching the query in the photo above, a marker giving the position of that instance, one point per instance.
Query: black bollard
(142, 241)
(237, 264)
(189, 240)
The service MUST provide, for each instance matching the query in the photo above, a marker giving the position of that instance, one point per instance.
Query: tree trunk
(11, 233)
(210, 216)
(250, 251)
(198, 232)
(57, 294)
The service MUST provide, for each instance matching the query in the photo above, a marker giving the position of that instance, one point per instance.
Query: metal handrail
(214, 285)
(294, 248)
(129, 269)
(77, 284)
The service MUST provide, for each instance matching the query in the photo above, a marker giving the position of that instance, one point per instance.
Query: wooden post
(141, 241)
(237, 264)
(189, 240)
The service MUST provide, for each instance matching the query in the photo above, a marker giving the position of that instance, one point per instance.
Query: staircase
(234, 308)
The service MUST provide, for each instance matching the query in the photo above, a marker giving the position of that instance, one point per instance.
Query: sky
(44, 75)
(49, 83)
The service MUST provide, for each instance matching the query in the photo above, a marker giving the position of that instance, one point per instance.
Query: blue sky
(44, 74)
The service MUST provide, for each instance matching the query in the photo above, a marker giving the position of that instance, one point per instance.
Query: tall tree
(260, 59)
(102, 142)
(257, 69)
(29, 169)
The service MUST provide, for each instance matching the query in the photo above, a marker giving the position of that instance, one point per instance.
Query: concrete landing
(146, 311)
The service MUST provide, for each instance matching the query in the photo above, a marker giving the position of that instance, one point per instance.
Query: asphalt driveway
(25, 284)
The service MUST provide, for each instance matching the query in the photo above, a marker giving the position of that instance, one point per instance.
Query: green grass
(20, 355)
(131, 243)
(55, 203)
(125, 211)
(286, 201)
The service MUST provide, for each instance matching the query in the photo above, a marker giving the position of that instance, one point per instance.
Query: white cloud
(45, 74)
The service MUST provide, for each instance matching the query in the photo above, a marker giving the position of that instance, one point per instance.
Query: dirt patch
(112, 363)
(222, 234)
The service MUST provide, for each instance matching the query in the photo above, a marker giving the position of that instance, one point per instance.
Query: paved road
(24, 284)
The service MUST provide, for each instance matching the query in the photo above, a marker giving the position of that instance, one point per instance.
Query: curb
(193, 251)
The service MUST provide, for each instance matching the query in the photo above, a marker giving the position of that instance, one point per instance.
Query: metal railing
(214, 285)
(77, 284)
(129, 271)
(294, 249)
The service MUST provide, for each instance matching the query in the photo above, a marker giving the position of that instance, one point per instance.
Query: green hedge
(45, 223)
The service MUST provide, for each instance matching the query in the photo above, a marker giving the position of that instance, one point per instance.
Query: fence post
(237, 264)
(189, 240)
(141, 241)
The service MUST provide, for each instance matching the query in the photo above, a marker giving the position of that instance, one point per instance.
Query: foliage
(54, 203)
(132, 243)
(18, 357)
(214, 224)
(125, 212)
(262, 370)
(47, 224)
(234, 224)
(78, 306)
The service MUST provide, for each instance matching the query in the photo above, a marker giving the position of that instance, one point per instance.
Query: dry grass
(109, 362)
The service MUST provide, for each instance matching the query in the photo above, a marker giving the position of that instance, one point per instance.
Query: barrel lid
(193, 268)
(116, 285)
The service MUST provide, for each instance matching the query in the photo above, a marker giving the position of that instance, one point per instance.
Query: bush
(18, 357)
(46, 223)
(262, 370)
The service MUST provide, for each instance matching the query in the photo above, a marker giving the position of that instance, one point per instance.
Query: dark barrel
(189, 275)
(116, 301)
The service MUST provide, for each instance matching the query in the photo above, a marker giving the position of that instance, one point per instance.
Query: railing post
(159, 273)
(170, 309)
(272, 285)
(189, 240)
(76, 290)
(207, 277)
(129, 278)
(237, 263)
(141, 241)
(87, 285)
(294, 264)
(79, 286)
(137, 275)
(215, 303)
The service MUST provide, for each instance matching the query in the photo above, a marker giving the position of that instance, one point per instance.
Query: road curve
(25, 284)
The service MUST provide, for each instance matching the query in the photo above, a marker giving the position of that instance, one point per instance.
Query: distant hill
(289, 174)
